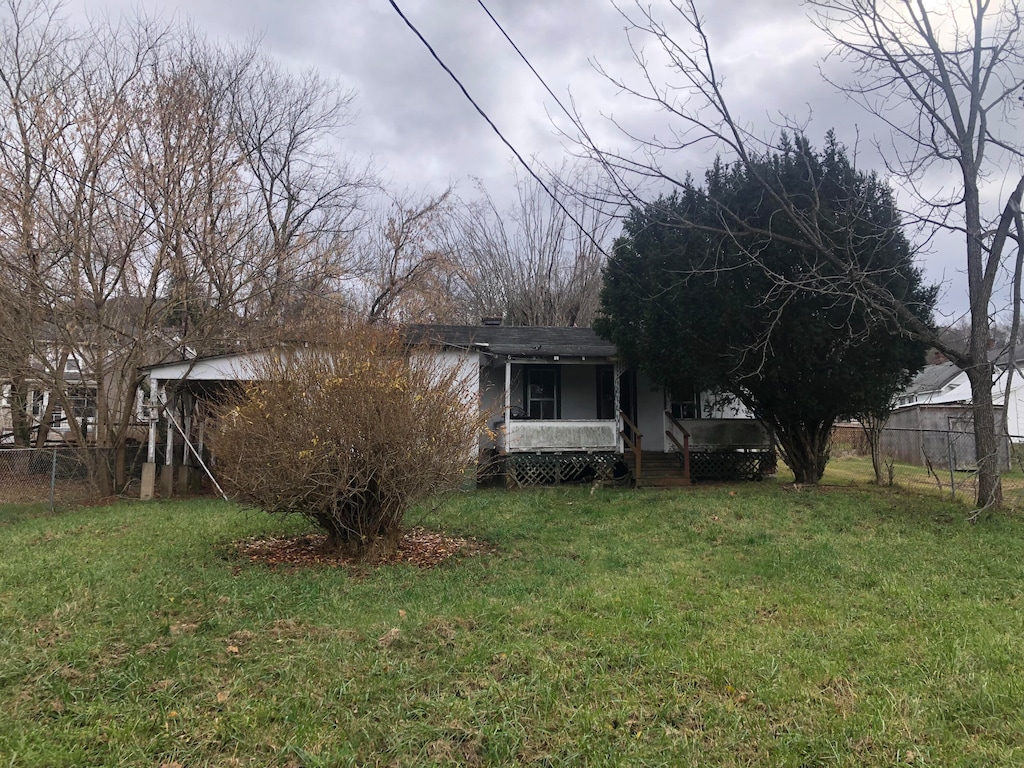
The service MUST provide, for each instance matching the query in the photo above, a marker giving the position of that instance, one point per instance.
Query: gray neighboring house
(560, 407)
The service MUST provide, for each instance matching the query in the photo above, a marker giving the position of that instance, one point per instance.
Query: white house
(946, 385)
(560, 406)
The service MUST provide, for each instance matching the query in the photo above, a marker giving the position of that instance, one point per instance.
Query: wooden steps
(658, 470)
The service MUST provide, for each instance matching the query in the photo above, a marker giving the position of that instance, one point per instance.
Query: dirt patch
(416, 546)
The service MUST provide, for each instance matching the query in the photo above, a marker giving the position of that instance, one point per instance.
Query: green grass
(727, 626)
(849, 469)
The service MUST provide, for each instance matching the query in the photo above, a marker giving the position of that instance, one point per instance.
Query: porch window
(541, 397)
(686, 403)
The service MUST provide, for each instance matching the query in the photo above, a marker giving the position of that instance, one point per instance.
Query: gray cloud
(413, 120)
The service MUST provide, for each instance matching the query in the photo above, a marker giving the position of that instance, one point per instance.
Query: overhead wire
(465, 92)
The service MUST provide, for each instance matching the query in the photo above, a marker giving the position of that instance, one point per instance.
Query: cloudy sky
(425, 134)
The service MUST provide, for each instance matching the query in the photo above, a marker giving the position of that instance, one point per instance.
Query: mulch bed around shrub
(417, 546)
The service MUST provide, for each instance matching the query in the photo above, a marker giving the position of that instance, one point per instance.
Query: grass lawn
(725, 626)
(848, 469)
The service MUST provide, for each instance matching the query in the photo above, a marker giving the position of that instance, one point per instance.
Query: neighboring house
(45, 412)
(937, 405)
(560, 407)
(55, 355)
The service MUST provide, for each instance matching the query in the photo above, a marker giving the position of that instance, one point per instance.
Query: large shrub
(349, 433)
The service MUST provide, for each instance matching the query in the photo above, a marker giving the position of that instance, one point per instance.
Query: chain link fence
(928, 460)
(943, 461)
(59, 476)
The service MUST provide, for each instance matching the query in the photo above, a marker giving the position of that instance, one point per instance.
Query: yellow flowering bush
(348, 431)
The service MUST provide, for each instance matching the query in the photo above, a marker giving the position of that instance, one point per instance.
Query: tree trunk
(873, 426)
(805, 451)
(103, 479)
(120, 469)
(986, 438)
(20, 423)
(44, 423)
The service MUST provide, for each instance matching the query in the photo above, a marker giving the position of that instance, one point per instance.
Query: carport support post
(185, 472)
(167, 476)
(148, 489)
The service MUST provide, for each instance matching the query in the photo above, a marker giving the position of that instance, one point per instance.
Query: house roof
(945, 383)
(932, 378)
(541, 342)
(515, 340)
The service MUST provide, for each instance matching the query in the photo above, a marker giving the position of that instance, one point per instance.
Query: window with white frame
(541, 396)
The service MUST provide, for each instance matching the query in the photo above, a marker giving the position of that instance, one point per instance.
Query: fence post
(951, 456)
(53, 477)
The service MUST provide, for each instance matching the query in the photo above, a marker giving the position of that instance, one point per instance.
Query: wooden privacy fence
(950, 448)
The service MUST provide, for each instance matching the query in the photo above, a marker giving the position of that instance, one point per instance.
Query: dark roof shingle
(515, 340)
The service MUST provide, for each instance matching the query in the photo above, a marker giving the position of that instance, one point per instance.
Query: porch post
(616, 373)
(185, 472)
(508, 404)
(167, 476)
(148, 485)
(200, 439)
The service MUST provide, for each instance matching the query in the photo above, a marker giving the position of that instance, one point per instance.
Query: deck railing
(684, 446)
(541, 436)
(632, 439)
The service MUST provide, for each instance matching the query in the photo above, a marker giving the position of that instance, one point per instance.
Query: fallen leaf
(222, 696)
(388, 638)
(233, 649)
(417, 546)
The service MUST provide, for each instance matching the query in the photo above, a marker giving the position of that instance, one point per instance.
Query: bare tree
(540, 261)
(143, 218)
(942, 81)
(406, 260)
(33, 41)
(305, 195)
(961, 70)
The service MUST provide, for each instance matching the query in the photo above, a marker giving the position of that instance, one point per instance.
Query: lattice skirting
(523, 469)
(731, 465)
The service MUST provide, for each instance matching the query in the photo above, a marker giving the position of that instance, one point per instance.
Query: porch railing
(682, 447)
(548, 435)
(632, 439)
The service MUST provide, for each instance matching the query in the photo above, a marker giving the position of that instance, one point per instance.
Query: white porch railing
(525, 436)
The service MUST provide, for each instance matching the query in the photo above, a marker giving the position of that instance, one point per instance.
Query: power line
(497, 131)
(576, 123)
